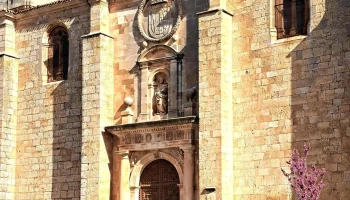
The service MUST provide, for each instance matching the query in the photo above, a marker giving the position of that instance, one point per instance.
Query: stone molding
(175, 152)
(215, 10)
(9, 55)
(145, 57)
(145, 127)
(178, 5)
(160, 134)
(96, 34)
(48, 8)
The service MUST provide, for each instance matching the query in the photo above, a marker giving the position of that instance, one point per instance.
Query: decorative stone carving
(148, 137)
(156, 134)
(169, 136)
(158, 20)
(127, 139)
(191, 94)
(180, 134)
(153, 2)
(156, 154)
(160, 99)
(138, 138)
(159, 137)
(177, 153)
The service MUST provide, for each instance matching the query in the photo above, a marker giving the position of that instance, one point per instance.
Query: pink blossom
(306, 183)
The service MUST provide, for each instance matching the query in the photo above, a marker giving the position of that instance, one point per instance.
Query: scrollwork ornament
(141, 10)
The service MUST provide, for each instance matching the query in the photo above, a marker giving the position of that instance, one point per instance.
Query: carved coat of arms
(158, 20)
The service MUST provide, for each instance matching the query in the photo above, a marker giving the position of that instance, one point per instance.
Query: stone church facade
(171, 99)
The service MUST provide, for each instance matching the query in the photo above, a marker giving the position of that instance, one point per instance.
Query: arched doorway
(159, 181)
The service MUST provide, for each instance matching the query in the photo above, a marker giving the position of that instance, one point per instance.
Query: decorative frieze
(177, 153)
(165, 136)
(155, 134)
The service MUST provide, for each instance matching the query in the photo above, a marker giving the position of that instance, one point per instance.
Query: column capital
(123, 154)
(188, 148)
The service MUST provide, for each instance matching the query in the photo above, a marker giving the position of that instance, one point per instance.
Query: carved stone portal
(140, 145)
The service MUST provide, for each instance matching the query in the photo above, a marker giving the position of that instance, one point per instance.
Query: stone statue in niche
(160, 99)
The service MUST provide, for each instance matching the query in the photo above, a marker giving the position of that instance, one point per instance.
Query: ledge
(95, 34)
(149, 124)
(48, 8)
(9, 55)
(215, 10)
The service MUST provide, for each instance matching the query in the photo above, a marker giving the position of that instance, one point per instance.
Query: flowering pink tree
(306, 183)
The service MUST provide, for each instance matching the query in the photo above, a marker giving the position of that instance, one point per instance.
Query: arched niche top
(157, 53)
(153, 74)
(50, 28)
(141, 165)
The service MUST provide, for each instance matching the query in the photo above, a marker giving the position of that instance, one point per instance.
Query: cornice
(214, 10)
(96, 34)
(5, 14)
(3, 54)
(40, 10)
(161, 125)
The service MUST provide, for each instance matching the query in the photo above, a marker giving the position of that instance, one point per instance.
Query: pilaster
(8, 106)
(215, 92)
(124, 186)
(173, 90)
(188, 182)
(97, 108)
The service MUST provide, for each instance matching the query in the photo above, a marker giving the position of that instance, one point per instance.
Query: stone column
(173, 90)
(293, 29)
(215, 91)
(134, 193)
(179, 85)
(143, 116)
(8, 106)
(97, 103)
(188, 176)
(124, 185)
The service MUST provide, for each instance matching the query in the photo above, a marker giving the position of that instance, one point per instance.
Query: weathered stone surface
(257, 98)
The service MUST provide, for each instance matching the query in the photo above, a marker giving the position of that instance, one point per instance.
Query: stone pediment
(155, 134)
(158, 53)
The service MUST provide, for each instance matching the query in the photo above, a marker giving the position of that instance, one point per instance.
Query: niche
(160, 97)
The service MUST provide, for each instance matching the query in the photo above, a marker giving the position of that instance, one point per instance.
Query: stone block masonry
(97, 105)
(8, 109)
(215, 87)
(287, 92)
(49, 142)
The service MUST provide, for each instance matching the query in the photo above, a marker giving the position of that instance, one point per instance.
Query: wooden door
(159, 181)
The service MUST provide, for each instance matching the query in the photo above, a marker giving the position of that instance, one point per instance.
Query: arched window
(58, 55)
(291, 18)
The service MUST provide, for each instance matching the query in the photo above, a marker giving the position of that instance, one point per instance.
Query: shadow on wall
(320, 102)
(67, 141)
(67, 132)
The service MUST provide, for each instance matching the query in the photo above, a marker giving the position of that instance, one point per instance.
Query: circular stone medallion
(158, 20)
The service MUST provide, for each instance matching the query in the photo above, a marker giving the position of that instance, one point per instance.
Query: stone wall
(8, 108)
(215, 93)
(286, 93)
(49, 131)
(4, 4)
(128, 46)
